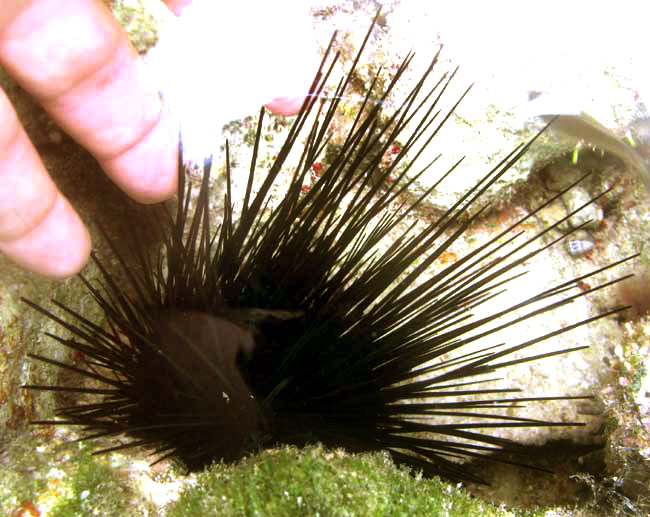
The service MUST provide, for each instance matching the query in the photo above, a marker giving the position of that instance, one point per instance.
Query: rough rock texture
(487, 125)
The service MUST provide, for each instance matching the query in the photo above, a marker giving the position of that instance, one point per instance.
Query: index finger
(79, 64)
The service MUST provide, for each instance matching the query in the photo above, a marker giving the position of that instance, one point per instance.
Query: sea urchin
(292, 325)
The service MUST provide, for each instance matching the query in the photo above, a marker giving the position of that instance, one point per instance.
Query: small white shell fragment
(578, 248)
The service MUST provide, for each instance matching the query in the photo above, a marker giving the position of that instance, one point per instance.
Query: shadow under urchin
(291, 325)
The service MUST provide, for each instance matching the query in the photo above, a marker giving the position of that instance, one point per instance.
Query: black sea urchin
(290, 325)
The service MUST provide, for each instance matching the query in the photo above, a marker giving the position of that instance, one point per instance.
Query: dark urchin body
(289, 326)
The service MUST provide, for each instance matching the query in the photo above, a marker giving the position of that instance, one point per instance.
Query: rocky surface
(507, 61)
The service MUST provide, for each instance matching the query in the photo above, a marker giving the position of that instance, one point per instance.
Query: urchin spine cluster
(289, 325)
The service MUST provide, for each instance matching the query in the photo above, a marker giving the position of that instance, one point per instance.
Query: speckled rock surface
(486, 126)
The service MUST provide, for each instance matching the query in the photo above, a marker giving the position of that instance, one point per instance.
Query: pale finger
(39, 230)
(177, 6)
(79, 64)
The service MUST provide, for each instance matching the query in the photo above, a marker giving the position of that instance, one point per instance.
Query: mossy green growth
(313, 481)
(41, 473)
(141, 19)
(64, 479)
(93, 485)
(16, 486)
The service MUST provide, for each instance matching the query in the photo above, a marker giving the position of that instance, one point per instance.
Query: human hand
(78, 63)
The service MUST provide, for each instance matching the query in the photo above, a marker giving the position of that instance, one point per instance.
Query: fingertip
(286, 106)
(177, 6)
(148, 171)
(57, 248)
